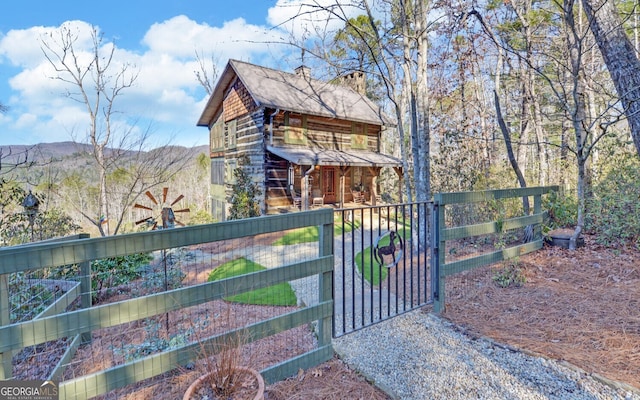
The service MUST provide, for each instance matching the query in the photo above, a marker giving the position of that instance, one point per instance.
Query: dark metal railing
(382, 263)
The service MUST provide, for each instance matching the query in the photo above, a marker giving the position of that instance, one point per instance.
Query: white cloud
(166, 90)
(26, 120)
(21, 48)
(180, 37)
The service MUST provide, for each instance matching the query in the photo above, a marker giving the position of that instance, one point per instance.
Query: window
(230, 167)
(295, 128)
(217, 136)
(358, 136)
(232, 134)
(217, 171)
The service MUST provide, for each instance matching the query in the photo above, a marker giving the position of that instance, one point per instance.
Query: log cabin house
(304, 141)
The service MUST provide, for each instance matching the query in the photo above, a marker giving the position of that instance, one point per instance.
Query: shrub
(154, 342)
(511, 274)
(108, 273)
(563, 210)
(614, 210)
(244, 194)
(201, 217)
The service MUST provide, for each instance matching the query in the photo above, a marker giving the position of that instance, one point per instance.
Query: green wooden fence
(81, 322)
(441, 269)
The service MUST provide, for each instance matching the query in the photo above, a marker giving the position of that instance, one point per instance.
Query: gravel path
(420, 356)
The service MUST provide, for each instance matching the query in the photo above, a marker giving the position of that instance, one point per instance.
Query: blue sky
(159, 38)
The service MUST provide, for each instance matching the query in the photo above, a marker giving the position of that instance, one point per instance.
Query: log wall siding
(326, 133)
(246, 141)
(253, 133)
(250, 144)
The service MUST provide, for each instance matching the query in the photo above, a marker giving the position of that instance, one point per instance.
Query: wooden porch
(340, 179)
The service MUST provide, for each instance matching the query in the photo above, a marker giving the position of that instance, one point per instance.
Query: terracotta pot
(191, 390)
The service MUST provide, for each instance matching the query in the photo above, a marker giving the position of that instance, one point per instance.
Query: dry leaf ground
(580, 306)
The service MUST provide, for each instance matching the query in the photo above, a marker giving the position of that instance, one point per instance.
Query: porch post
(343, 173)
(305, 187)
(305, 192)
(374, 171)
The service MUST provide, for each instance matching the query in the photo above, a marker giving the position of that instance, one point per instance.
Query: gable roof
(291, 92)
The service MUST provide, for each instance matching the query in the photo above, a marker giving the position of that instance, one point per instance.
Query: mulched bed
(581, 306)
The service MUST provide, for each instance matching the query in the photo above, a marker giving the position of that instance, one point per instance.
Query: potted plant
(223, 376)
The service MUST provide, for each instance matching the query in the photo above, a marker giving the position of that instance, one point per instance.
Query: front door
(329, 184)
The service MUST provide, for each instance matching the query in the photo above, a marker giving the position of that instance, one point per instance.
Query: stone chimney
(355, 80)
(303, 71)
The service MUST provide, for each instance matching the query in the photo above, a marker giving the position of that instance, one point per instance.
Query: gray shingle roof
(291, 92)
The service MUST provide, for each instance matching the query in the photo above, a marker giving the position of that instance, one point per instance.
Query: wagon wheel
(162, 214)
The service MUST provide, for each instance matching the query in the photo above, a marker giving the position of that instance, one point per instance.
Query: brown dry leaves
(581, 306)
(332, 380)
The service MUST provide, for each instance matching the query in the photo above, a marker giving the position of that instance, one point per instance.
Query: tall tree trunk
(393, 94)
(503, 126)
(507, 141)
(423, 192)
(410, 87)
(582, 157)
(103, 201)
(578, 113)
(541, 138)
(619, 55)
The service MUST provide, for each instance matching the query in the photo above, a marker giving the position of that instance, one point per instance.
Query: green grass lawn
(310, 233)
(276, 295)
(365, 260)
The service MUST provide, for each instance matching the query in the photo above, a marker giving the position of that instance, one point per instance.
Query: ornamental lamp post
(31, 205)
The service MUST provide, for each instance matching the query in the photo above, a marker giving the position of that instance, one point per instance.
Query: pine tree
(244, 203)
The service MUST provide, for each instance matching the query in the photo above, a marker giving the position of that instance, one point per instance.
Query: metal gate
(382, 266)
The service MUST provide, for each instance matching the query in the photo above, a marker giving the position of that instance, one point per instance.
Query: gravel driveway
(420, 356)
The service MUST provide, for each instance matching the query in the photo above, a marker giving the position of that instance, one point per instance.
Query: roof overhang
(213, 107)
(353, 158)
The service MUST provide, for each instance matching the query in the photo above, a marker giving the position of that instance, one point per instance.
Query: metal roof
(355, 158)
(292, 92)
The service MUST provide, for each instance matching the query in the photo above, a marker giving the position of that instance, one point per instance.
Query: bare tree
(620, 57)
(207, 72)
(10, 159)
(97, 82)
(571, 88)
(395, 52)
(506, 134)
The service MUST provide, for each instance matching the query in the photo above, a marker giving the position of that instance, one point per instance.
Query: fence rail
(83, 321)
(368, 287)
(442, 233)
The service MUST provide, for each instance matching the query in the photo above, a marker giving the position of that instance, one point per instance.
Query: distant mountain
(61, 150)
